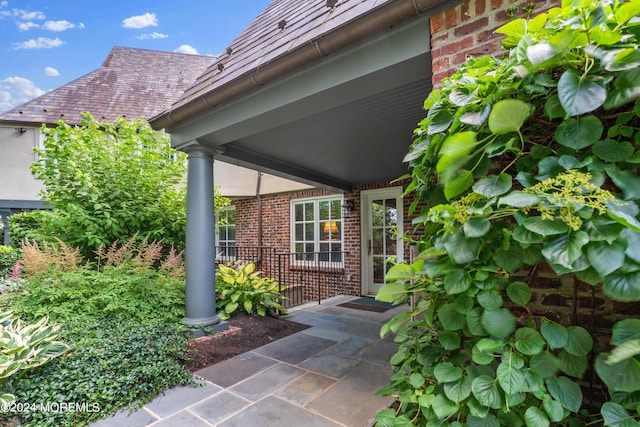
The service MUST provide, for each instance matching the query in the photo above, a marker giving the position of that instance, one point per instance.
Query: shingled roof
(131, 83)
(305, 29)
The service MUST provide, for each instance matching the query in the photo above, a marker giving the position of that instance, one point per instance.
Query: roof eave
(384, 16)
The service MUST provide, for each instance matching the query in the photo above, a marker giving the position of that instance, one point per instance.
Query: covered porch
(324, 96)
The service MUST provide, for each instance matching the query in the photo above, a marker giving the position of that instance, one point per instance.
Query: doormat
(368, 304)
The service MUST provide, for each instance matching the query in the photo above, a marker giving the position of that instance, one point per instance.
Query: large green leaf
(508, 116)
(624, 213)
(509, 259)
(519, 292)
(580, 94)
(554, 333)
(580, 132)
(460, 249)
(565, 249)
(510, 378)
(529, 341)
(612, 151)
(571, 365)
(615, 415)
(545, 364)
(456, 146)
(473, 322)
(565, 391)
(535, 417)
(458, 185)
(439, 120)
(553, 409)
(487, 391)
(623, 376)
(499, 323)
(626, 181)
(488, 421)
(490, 300)
(622, 286)
(493, 185)
(519, 199)
(459, 390)
(579, 342)
(390, 292)
(457, 281)
(450, 318)
(443, 407)
(449, 340)
(625, 330)
(526, 237)
(606, 258)
(545, 227)
(446, 372)
(476, 227)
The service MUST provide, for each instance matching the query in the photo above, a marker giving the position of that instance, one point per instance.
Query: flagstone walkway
(326, 375)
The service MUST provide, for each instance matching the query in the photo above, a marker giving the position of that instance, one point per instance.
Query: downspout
(259, 202)
(384, 16)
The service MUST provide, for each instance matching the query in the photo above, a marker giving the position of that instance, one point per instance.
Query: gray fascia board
(393, 46)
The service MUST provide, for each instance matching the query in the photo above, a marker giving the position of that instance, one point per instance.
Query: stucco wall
(16, 156)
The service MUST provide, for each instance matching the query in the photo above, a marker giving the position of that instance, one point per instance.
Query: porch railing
(303, 277)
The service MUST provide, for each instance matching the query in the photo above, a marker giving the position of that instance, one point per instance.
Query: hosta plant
(24, 347)
(525, 163)
(241, 288)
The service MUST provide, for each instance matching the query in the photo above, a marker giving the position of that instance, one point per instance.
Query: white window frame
(316, 230)
(219, 242)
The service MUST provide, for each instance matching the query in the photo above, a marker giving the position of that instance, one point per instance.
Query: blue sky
(45, 44)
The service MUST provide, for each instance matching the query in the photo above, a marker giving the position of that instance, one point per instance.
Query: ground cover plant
(524, 161)
(120, 318)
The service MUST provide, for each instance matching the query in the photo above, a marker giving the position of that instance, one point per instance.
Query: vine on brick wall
(525, 161)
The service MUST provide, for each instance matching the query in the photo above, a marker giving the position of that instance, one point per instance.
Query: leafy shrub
(8, 258)
(524, 161)
(24, 347)
(119, 292)
(32, 226)
(242, 288)
(112, 364)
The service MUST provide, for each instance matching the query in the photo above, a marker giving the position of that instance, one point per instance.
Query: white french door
(381, 235)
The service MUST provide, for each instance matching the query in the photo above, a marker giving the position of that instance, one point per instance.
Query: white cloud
(60, 25)
(185, 48)
(26, 26)
(141, 21)
(39, 43)
(27, 15)
(51, 72)
(17, 90)
(153, 35)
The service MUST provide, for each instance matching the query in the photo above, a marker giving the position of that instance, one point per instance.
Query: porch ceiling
(345, 121)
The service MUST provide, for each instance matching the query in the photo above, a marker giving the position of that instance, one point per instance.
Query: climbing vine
(523, 162)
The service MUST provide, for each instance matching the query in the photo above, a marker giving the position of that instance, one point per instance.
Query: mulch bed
(246, 333)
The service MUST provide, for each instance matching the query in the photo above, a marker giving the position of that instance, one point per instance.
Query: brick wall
(468, 30)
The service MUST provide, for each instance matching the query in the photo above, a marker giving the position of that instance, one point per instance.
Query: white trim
(316, 228)
(366, 197)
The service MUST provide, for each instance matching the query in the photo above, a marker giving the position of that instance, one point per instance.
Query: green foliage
(120, 292)
(242, 288)
(8, 258)
(112, 364)
(24, 347)
(35, 226)
(111, 181)
(522, 161)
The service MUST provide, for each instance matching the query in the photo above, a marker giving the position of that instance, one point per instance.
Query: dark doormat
(368, 304)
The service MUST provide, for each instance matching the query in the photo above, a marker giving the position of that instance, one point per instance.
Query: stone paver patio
(326, 375)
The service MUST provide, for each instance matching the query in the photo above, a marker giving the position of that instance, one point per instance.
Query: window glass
(226, 233)
(317, 229)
